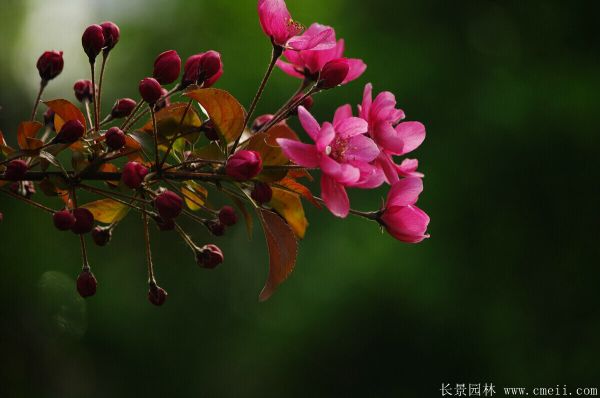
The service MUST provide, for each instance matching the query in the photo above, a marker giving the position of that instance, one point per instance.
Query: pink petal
(406, 223)
(362, 149)
(371, 176)
(408, 168)
(289, 69)
(384, 109)
(325, 137)
(412, 135)
(294, 57)
(351, 127)
(335, 197)
(276, 21)
(342, 113)
(341, 172)
(405, 192)
(388, 167)
(302, 154)
(365, 107)
(317, 40)
(388, 138)
(309, 123)
(357, 68)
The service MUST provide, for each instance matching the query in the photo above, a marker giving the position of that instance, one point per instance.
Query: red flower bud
(262, 193)
(111, 34)
(16, 170)
(209, 256)
(93, 41)
(169, 205)
(157, 295)
(115, 138)
(122, 108)
(49, 118)
(84, 221)
(101, 235)
(63, 220)
(70, 132)
(244, 165)
(308, 103)
(205, 69)
(86, 283)
(167, 67)
(50, 64)
(133, 174)
(163, 102)
(210, 131)
(84, 90)
(165, 225)
(333, 73)
(216, 227)
(261, 121)
(150, 89)
(227, 216)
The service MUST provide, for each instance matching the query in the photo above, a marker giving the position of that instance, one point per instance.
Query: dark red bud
(150, 90)
(86, 283)
(133, 175)
(101, 235)
(205, 69)
(216, 227)
(169, 205)
(157, 295)
(261, 121)
(111, 35)
(308, 103)
(93, 41)
(115, 138)
(16, 170)
(84, 221)
(70, 132)
(63, 220)
(163, 102)
(262, 193)
(209, 256)
(167, 67)
(227, 216)
(84, 90)
(122, 108)
(244, 165)
(333, 73)
(210, 131)
(50, 64)
(165, 225)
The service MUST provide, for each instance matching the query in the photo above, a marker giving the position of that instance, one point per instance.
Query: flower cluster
(162, 155)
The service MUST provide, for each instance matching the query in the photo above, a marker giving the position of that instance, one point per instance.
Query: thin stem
(301, 89)
(89, 116)
(369, 215)
(283, 115)
(28, 201)
(207, 161)
(96, 117)
(186, 196)
(43, 85)
(157, 164)
(116, 176)
(151, 279)
(172, 142)
(86, 264)
(102, 68)
(135, 110)
(185, 237)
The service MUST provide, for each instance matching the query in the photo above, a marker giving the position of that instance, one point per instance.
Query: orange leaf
(295, 186)
(26, 131)
(107, 211)
(289, 206)
(224, 110)
(168, 122)
(4, 148)
(283, 249)
(132, 148)
(109, 168)
(194, 194)
(65, 111)
(266, 144)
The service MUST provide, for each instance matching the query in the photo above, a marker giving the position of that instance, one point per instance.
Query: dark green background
(505, 291)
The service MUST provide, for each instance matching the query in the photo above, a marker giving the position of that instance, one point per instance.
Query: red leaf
(295, 186)
(27, 131)
(65, 111)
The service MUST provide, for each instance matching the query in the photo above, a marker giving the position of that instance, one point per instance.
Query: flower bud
(261, 121)
(63, 220)
(84, 221)
(70, 132)
(205, 69)
(209, 256)
(111, 34)
(165, 225)
(210, 131)
(93, 41)
(333, 73)
(133, 175)
(167, 67)
(84, 90)
(262, 193)
(115, 138)
(16, 170)
(49, 118)
(157, 295)
(50, 64)
(122, 108)
(101, 235)
(163, 102)
(244, 165)
(308, 103)
(216, 227)
(23, 188)
(169, 205)
(150, 89)
(86, 283)
(227, 216)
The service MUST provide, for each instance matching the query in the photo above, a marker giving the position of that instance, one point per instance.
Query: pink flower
(340, 150)
(400, 217)
(277, 23)
(391, 135)
(308, 64)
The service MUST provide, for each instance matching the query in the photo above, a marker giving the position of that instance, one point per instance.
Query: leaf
(107, 211)
(26, 133)
(270, 151)
(65, 111)
(210, 152)
(289, 206)
(168, 122)
(295, 186)
(110, 168)
(4, 148)
(224, 110)
(283, 250)
(194, 194)
(132, 148)
(52, 160)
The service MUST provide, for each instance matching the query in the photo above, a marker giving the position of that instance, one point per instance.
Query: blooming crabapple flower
(167, 67)
(169, 205)
(308, 64)
(84, 90)
(150, 90)
(93, 41)
(391, 135)
(70, 132)
(244, 165)
(86, 283)
(122, 108)
(111, 34)
(341, 150)
(16, 170)
(204, 69)
(408, 168)
(50, 64)
(133, 175)
(400, 217)
(277, 23)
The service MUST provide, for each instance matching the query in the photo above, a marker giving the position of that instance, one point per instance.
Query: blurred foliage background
(505, 291)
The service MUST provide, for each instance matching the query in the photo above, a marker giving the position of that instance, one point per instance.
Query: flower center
(337, 149)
